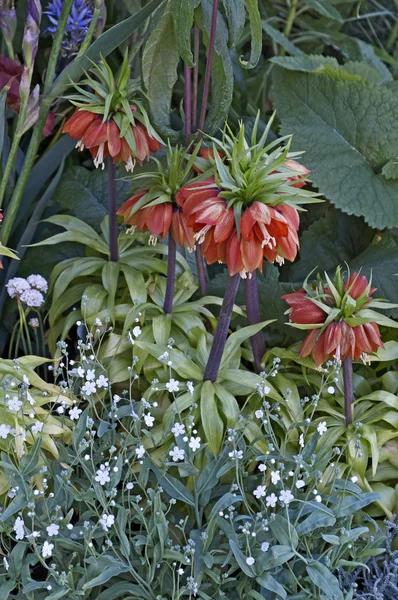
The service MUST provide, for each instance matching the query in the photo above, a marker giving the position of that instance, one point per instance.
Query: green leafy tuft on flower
(340, 314)
(158, 208)
(110, 119)
(249, 210)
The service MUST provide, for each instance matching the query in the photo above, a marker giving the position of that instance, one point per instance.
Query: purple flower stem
(202, 271)
(188, 104)
(348, 389)
(196, 41)
(112, 210)
(220, 336)
(253, 317)
(171, 275)
(206, 87)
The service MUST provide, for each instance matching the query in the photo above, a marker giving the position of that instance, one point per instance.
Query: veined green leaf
(183, 13)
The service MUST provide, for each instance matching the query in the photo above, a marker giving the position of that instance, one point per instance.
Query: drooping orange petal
(332, 340)
(252, 254)
(318, 352)
(77, 125)
(114, 141)
(141, 142)
(224, 226)
(126, 208)
(234, 257)
(96, 134)
(347, 340)
(308, 343)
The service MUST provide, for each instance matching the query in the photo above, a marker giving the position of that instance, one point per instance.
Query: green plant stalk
(90, 33)
(16, 138)
(220, 336)
(348, 389)
(290, 17)
(38, 129)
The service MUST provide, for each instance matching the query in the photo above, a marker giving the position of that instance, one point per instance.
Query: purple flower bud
(32, 110)
(24, 85)
(101, 19)
(31, 32)
(34, 10)
(8, 19)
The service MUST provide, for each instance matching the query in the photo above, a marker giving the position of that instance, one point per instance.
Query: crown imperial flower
(110, 120)
(248, 210)
(159, 208)
(340, 317)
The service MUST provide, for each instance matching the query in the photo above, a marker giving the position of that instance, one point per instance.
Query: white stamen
(130, 164)
(152, 240)
(200, 236)
(365, 358)
(243, 274)
(280, 260)
(80, 146)
(99, 159)
(131, 229)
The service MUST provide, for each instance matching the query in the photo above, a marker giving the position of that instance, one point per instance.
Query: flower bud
(102, 17)
(32, 110)
(8, 19)
(24, 85)
(31, 32)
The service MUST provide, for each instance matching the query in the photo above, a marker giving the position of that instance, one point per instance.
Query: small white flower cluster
(30, 291)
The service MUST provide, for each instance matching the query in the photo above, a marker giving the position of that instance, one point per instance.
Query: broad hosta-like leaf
(345, 129)
(84, 194)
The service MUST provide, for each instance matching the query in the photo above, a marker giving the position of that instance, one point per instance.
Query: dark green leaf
(84, 194)
(159, 66)
(104, 45)
(183, 14)
(345, 149)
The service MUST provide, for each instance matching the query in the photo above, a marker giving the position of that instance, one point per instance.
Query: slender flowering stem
(253, 317)
(196, 40)
(188, 104)
(220, 336)
(348, 389)
(112, 210)
(206, 87)
(171, 275)
(38, 129)
(91, 30)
